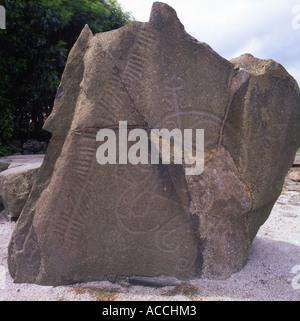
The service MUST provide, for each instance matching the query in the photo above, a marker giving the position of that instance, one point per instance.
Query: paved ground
(272, 272)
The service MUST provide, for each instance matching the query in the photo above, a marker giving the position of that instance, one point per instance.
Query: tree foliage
(33, 51)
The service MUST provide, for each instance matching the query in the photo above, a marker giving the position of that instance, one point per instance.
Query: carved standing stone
(85, 221)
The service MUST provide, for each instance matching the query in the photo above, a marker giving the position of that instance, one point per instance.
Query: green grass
(298, 151)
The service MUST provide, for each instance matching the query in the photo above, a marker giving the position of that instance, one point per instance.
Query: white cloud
(263, 28)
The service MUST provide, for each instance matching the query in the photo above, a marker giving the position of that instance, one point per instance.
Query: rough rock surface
(294, 174)
(84, 221)
(16, 181)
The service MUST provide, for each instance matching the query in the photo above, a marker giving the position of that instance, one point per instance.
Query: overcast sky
(264, 28)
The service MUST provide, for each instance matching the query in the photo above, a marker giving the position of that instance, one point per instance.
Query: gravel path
(272, 272)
